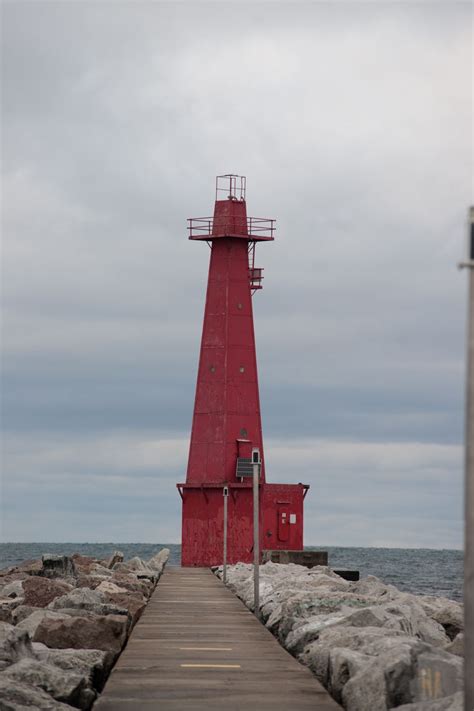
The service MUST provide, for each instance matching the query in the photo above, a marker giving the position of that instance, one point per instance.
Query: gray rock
(57, 566)
(28, 567)
(447, 612)
(93, 664)
(116, 557)
(13, 589)
(105, 633)
(22, 612)
(366, 690)
(385, 681)
(31, 623)
(79, 597)
(367, 640)
(92, 601)
(8, 605)
(39, 591)
(131, 583)
(409, 619)
(158, 561)
(400, 670)
(137, 566)
(343, 664)
(77, 612)
(371, 585)
(67, 686)
(98, 569)
(448, 703)
(438, 674)
(132, 602)
(457, 645)
(17, 696)
(302, 635)
(15, 644)
(107, 587)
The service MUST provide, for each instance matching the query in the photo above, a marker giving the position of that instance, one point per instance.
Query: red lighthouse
(226, 434)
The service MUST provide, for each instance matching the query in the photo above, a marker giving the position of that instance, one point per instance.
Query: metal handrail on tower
(258, 227)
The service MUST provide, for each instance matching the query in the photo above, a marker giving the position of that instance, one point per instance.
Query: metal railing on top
(205, 227)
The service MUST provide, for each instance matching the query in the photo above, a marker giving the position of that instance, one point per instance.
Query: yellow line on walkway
(207, 649)
(210, 666)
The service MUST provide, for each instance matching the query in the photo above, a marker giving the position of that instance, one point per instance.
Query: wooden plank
(198, 648)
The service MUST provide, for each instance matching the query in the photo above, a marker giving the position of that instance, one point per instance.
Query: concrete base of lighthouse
(281, 521)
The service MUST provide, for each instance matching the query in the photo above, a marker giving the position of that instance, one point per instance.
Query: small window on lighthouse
(242, 369)
(212, 368)
(292, 518)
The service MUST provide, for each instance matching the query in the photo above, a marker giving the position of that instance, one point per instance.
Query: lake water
(421, 571)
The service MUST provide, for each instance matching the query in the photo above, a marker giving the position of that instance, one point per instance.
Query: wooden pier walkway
(197, 647)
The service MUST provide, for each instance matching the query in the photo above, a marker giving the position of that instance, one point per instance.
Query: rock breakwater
(64, 621)
(372, 646)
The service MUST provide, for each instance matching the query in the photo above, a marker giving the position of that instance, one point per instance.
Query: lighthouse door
(283, 523)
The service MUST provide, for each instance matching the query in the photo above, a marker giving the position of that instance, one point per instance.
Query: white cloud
(362, 493)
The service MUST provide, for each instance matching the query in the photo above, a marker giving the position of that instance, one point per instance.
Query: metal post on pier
(225, 493)
(256, 541)
(469, 484)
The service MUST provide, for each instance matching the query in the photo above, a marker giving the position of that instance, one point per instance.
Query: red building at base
(226, 433)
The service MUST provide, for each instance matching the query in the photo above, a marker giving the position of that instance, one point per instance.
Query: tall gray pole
(224, 555)
(256, 542)
(469, 486)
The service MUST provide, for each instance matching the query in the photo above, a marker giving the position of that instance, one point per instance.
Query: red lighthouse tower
(227, 431)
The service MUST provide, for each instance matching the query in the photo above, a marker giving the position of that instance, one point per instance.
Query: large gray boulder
(131, 582)
(57, 566)
(447, 612)
(99, 569)
(84, 599)
(83, 563)
(78, 597)
(18, 696)
(106, 633)
(448, 703)
(409, 619)
(372, 668)
(342, 664)
(12, 590)
(93, 664)
(31, 623)
(8, 605)
(107, 586)
(371, 645)
(91, 581)
(22, 612)
(137, 566)
(15, 644)
(116, 557)
(133, 603)
(367, 641)
(457, 645)
(66, 686)
(385, 681)
(438, 674)
(39, 592)
(158, 561)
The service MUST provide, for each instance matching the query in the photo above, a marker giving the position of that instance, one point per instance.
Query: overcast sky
(352, 122)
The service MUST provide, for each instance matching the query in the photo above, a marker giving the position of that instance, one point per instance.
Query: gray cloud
(353, 124)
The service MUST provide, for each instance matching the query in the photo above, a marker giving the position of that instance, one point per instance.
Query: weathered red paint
(226, 422)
